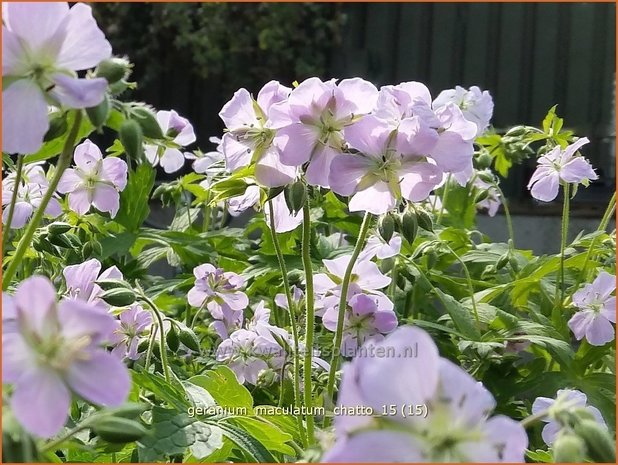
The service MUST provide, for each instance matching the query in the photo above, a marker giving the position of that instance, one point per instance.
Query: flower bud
(58, 227)
(295, 196)
(57, 127)
(148, 122)
(107, 284)
(98, 115)
(569, 448)
(92, 248)
(41, 244)
(131, 137)
(66, 240)
(424, 220)
(114, 69)
(486, 176)
(189, 339)
(130, 410)
(482, 195)
(386, 227)
(601, 447)
(119, 297)
(119, 430)
(517, 131)
(502, 261)
(409, 226)
(172, 338)
(484, 160)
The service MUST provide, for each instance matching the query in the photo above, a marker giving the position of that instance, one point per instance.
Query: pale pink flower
(43, 45)
(180, 133)
(94, 181)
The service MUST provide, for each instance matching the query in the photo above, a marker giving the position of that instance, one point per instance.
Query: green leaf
(54, 147)
(172, 433)
(270, 436)
(247, 443)
(463, 319)
(223, 386)
(134, 208)
(173, 393)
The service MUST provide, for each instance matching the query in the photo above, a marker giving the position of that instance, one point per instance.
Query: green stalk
(9, 219)
(345, 284)
(206, 213)
(291, 312)
(157, 313)
(559, 297)
(507, 215)
(64, 161)
(609, 212)
(444, 198)
(310, 321)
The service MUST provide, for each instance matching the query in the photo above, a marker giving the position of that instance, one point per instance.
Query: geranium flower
(55, 351)
(450, 143)
(597, 311)
(566, 399)
(240, 203)
(310, 123)
(456, 428)
(219, 291)
(366, 278)
(384, 171)
(560, 166)
(203, 162)
(476, 105)
(377, 247)
(43, 45)
(180, 132)
(364, 319)
(29, 196)
(250, 135)
(245, 353)
(81, 281)
(94, 180)
(297, 297)
(133, 326)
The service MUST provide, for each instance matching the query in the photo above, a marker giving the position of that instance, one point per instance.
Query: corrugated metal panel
(529, 56)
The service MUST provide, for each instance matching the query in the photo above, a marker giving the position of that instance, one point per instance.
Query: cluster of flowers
(52, 349)
(377, 146)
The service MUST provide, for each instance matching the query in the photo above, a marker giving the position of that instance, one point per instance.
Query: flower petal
(24, 117)
(41, 401)
(78, 93)
(101, 379)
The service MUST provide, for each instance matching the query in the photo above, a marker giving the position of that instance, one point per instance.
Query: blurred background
(192, 57)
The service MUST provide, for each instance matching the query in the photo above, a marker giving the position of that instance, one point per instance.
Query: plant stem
(310, 321)
(206, 213)
(532, 419)
(444, 198)
(609, 211)
(291, 307)
(157, 313)
(343, 302)
(559, 297)
(63, 163)
(151, 342)
(9, 218)
(507, 215)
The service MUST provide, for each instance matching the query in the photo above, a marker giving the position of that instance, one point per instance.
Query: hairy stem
(157, 314)
(362, 235)
(291, 309)
(310, 321)
(9, 218)
(559, 297)
(64, 162)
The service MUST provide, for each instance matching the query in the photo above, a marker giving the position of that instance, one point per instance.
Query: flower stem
(9, 219)
(533, 419)
(310, 321)
(64, 162)
(157, 313)
(609, 212)
(507, 215)
(343, 302)
(206, 213)
(559, 297)
(444, 198)
(291, 311)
